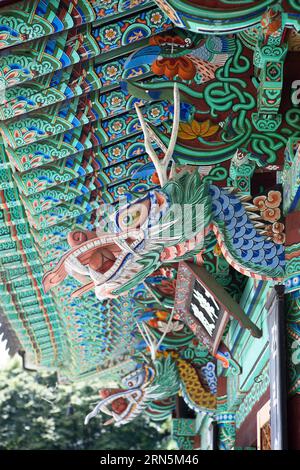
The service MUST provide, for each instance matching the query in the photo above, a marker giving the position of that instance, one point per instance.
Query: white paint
(3, 353)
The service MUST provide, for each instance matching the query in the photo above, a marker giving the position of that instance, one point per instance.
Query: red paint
(294, 423)
(246, 435)
(292, 228)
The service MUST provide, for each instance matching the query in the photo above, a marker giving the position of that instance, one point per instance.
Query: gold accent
(194, 388)
(294, 40)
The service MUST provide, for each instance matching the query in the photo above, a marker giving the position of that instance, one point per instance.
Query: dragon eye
(134, 216)
(127, 220)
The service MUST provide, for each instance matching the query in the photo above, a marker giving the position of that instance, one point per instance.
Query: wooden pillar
(293, 365)
(226, 430)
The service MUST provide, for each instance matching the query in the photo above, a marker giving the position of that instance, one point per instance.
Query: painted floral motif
(13, 74)
(193, 130)
(112, 71)
(116, 151)
(117, 126)
(116, 101)
(10, 36)
(169, 11)
(155, 112)
(156, 18)
(27, 135)
(110, 34)
(117, 171)
(121, 190)
(130, 30)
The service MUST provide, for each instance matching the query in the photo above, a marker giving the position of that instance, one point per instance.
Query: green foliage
(37, 413)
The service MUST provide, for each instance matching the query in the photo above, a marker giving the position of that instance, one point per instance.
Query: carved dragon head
(157, 383)
(140, 236)
(146, 384)
(124, 404)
